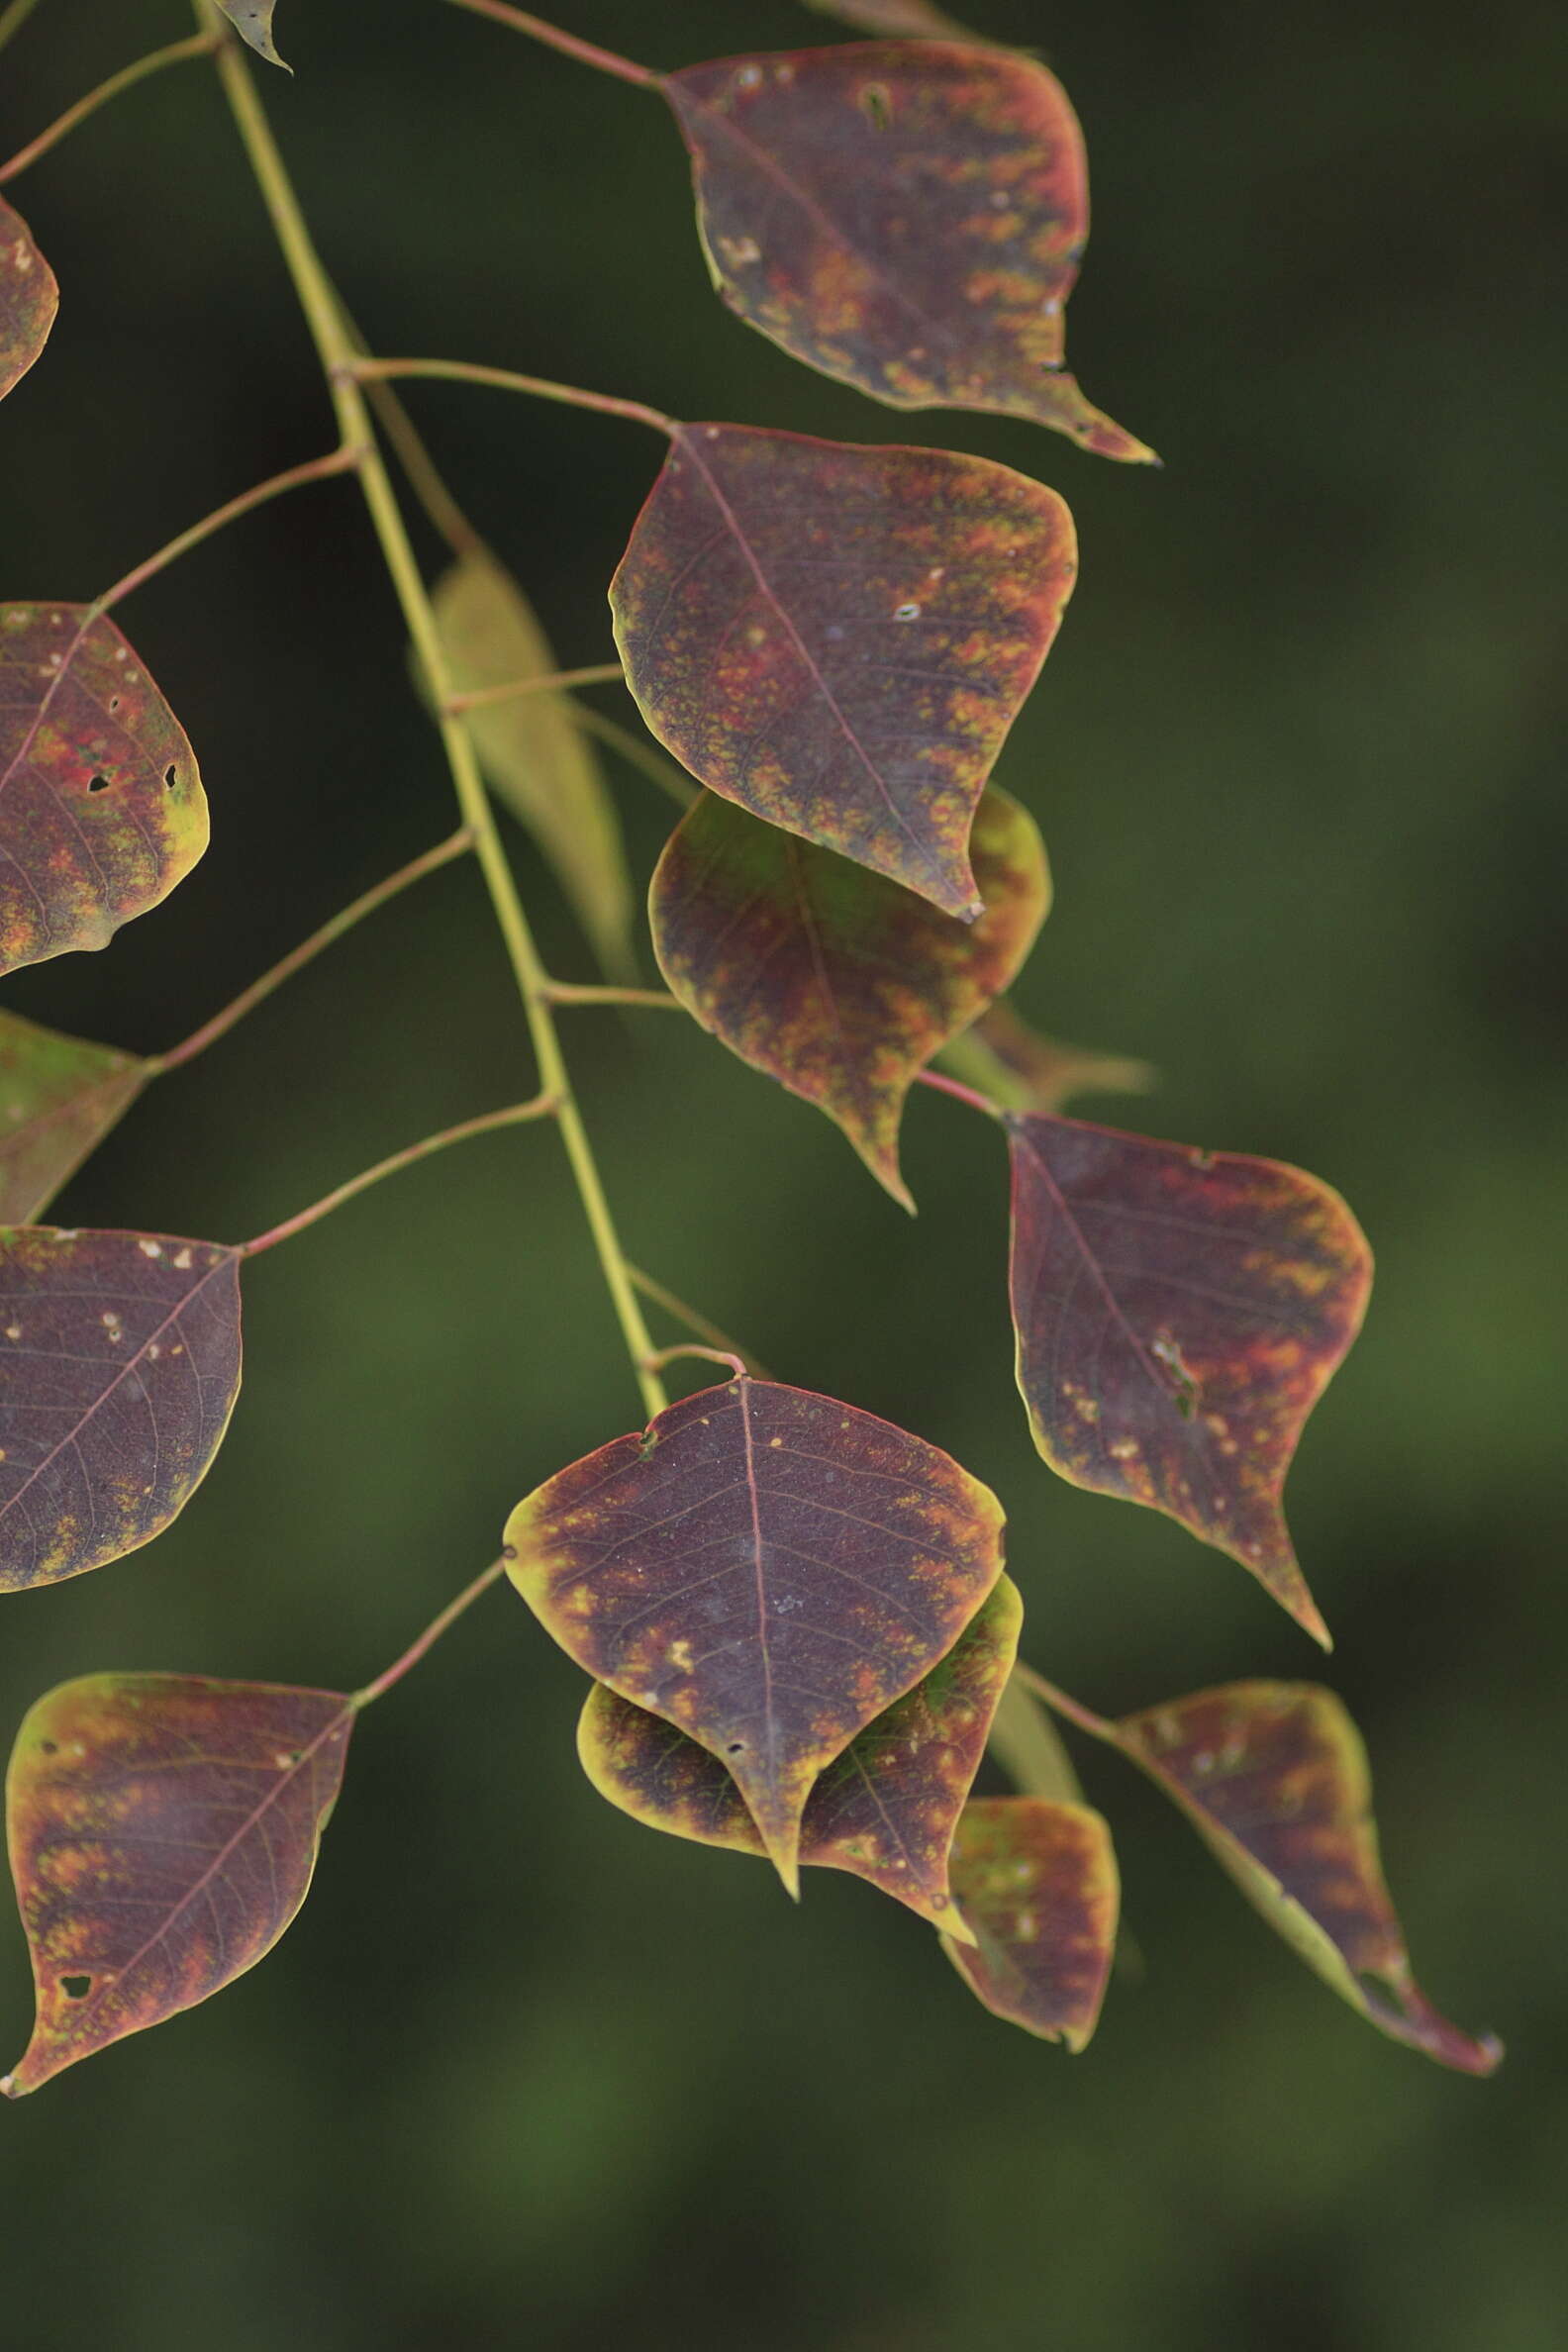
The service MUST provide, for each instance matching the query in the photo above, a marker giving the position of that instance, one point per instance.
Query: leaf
(164, 1830)
(59, 1097)
(1037, 1884)
(834, 981)
(1031, 1072)
(29, 299)
(119, 1369)
(252, 21)
(885, 1810)
(839, 639)
(766, 1569)
(534, 754)
(1178, 1314)
(905, 216)
(1275, 1779)
(900, 20)
(101, 803)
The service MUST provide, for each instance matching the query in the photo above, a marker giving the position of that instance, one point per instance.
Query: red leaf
(766, 1569)
(1275, 1778)
(836, 983)
(1037, 1884)
(906, 215)
(1178, 1314)
(29, 299)
(162, 1830)
(839, 639)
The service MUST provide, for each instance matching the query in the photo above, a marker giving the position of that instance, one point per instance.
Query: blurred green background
(523, 2073)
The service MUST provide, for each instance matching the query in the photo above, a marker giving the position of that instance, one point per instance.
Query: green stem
(13, 18)
(324, 318)
(1086, 1719)
(506, 379)
(672, 781)
(586, 53)
(694, 1322)
(346, 459)
(427, 1640)
(567, 992)
(483, 698)
(259, 990)
(198, 44)
(543, 1106)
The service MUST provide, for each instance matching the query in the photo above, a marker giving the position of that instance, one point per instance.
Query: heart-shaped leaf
(164, 1830)
(29, 298)
(837, 983)
(1178, 1314)
(101, 803)
(1037, 1883)
(535, 758)
(1010, 1061)
(885, 1810)
(839, 639)
(766, 1569)
(906, 215)
(252, 21)
(59, 1097)
(119, 1369)
(1274, 1776)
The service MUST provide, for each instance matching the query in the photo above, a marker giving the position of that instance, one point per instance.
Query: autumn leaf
(119, 1369)
(101, 803)
(1036, 1882)
(164, 1830)
(535, 758)
(59, 1097)
(1024, 1071)
(885, 1810)
(766, 1569)
(1178, 1314)
(252, 21)
(839, 639)
(1275, 1779)
(906, 215)
(29, 299)
(837, 983)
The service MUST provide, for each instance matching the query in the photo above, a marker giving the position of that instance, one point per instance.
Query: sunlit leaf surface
(839, 984)
(252, 21)
(906, 216)
(838, 637)
(1037, 1883)
(101, 804)
(1275, 1777)
(885, 1810)
(119, 1368)
(534, 756)
(29, 298)
(766, 1569)
(1178, 1314)
(164, 1830)
(59, 1097)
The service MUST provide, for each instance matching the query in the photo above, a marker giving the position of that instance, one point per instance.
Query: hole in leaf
(99, 783)
(76, 1988)
(49, 1748)
(876, 105)
(171, 778)
(114, 702)
(737, 1747)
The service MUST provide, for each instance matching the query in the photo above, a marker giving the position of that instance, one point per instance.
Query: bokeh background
(523, 2073)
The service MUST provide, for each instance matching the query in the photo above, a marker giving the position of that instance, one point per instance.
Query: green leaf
(252, 21)
(905, 216)
(1024, 1071)
(1178, 1314)
(119, 1369)
(101, 803)
(535, 758)
(766, 1569)
(837, 983)
(59, 1097)
(839, 639)
(1037, 1883)
(164, 1830)
(29, 299)
(1275, 1779)
(885, 1810)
